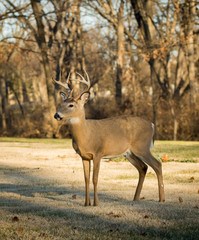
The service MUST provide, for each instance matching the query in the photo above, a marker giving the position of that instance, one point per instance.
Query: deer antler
(84, 81)
(65, 85)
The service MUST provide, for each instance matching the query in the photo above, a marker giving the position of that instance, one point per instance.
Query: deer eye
(71, 105)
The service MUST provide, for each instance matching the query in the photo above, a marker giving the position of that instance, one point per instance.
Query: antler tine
(67, 80)
(69, 89)
(82, 80)
(88, 79)
(65, 85)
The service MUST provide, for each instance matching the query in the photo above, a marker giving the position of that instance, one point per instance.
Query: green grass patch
(55, 143)
(177, 151)
(34, 140)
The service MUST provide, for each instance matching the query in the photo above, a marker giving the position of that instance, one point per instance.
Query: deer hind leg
(157, 167)
(87, 167)
(142, 169)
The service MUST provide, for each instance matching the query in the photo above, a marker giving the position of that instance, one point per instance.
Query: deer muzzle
(57, 116)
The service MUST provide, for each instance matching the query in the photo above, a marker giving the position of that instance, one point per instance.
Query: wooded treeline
(141, 56)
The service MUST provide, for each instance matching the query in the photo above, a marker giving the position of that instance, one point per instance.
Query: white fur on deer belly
(151, 146)
(127, 152)
(152, 143)
(73, 120)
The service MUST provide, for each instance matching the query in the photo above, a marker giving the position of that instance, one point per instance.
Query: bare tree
(120, 53)
(107, 10)
(158, 45)
(67, 33)
(56, 26)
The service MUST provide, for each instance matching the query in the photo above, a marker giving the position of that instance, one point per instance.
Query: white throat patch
(73, 120)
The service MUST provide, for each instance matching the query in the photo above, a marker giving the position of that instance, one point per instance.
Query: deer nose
(57, 116)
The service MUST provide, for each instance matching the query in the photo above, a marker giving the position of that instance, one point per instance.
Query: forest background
(141, 56)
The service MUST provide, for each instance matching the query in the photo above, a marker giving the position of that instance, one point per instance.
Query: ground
(42, 197)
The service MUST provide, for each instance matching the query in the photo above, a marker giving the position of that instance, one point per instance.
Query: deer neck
(79, 129)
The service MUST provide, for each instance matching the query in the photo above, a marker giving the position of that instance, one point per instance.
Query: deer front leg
(96, 167)
(86, 165)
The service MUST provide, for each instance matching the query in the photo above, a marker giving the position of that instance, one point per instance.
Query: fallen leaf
(111, 214)
(165, 158)
(43, 235)
(15, 219)
(146, 216)
(116, 215)
(196, 207)
(192, 179)
(20, 231)
(180, 199)
(74, 196)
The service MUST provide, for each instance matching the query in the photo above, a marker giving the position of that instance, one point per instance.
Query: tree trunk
(4, 104)
(175, 121)
(69, 34)
(144, 15)
(188, 24)
(43, 89)
(120, 54)
(154, 94)
(40, 37)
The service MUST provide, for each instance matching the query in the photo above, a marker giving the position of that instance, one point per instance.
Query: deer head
(73, 107)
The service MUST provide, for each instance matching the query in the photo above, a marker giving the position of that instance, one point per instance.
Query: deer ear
(85, 97)
(63, 95)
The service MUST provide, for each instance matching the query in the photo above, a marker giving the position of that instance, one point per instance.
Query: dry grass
(42, 197)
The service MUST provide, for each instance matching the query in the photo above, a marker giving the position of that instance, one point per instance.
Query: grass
(55, 143)
(42, 194)
(177, 151)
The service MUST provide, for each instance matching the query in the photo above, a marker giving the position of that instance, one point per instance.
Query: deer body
(96, 139)
(111, 136)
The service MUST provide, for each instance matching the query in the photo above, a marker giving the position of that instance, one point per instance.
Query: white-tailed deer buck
(96, 139)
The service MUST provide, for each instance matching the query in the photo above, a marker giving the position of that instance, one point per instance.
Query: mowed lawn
(42, 194)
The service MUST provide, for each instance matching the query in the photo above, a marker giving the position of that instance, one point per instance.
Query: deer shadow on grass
(28, 185)
(115, 218)
(105, 223)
